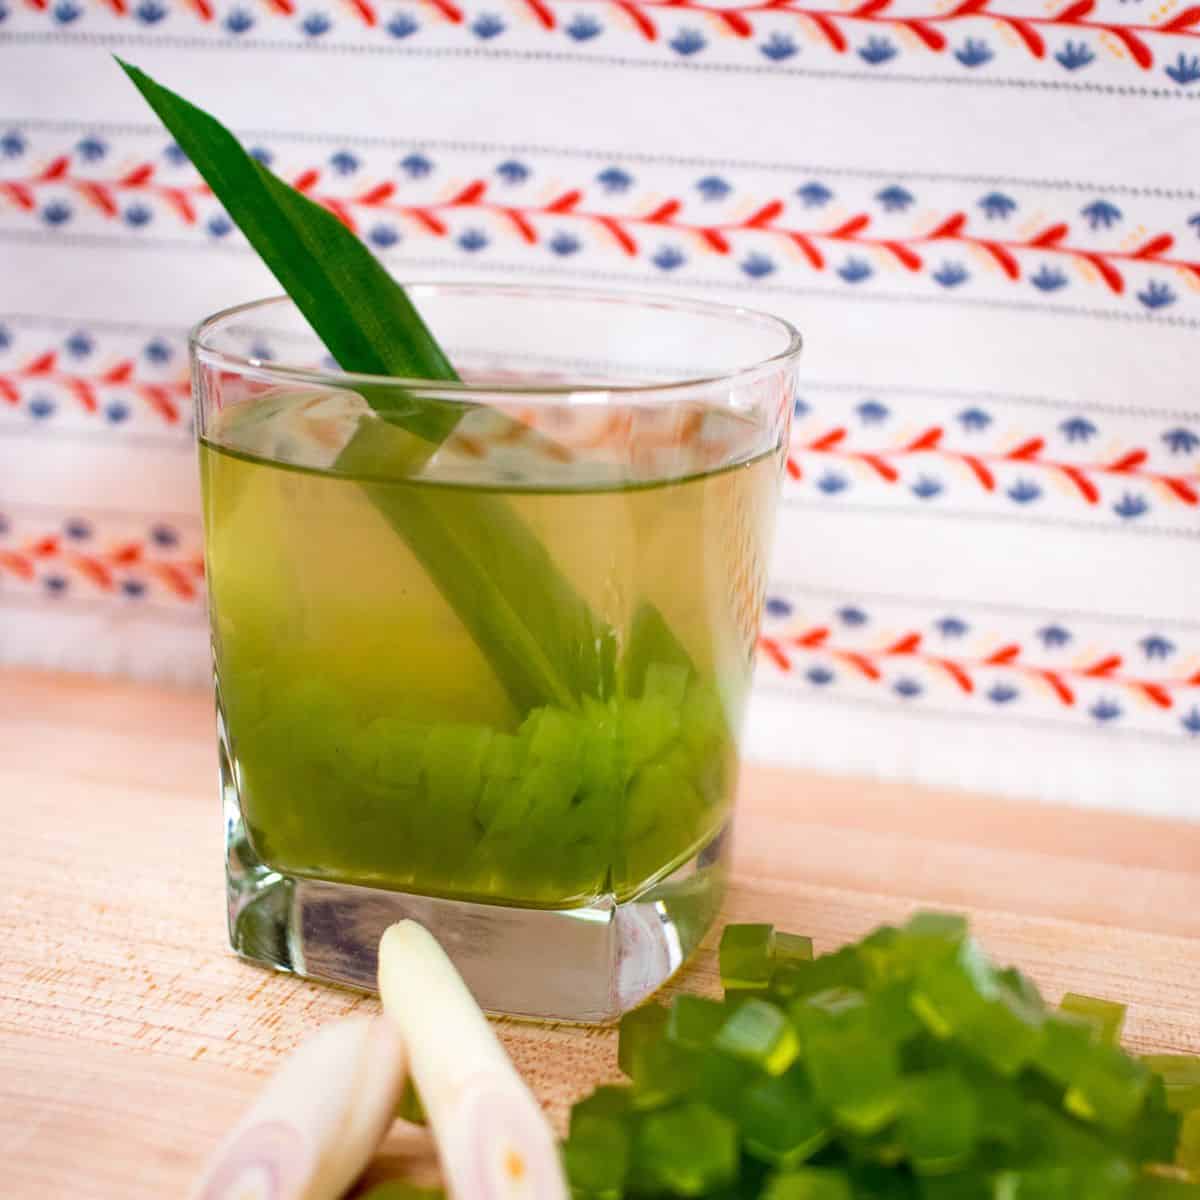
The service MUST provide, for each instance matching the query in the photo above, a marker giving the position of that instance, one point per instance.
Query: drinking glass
(482, 649)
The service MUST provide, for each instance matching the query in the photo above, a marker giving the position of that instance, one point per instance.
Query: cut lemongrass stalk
(316, 1124)
(493, 1139)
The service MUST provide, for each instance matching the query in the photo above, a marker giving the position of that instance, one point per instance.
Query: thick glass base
(587, 964)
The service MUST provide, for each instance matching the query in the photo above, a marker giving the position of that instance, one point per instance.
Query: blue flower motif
(1191, 722)
(133, 588)
(952, 627)
(56, 213)
(614, 179)
(65, 11)
(1075, 55)
(1194, 221)
(1130, 507)
(814, 195)
(871, 412)
(174, 154)
(56, 584)
(906, 687)
(1157, 295)
(116, 412)
(158, 351)
(416, 166)
(1024, 491)
(487, 26)
(383, 236)
(150, 12)
(974, 419)
(713, 187)
(757, 265)
(5, 337)
(13, 144)
(583, 28)
(895, 198)
(800, 407)
(1105, 710)
(926, 487)
(1048, 279)
(667, 258)
(997, 206)
(778, 47)
(79, 344)
(1002, 693)
(1157, 646)
(513, 172)
(687, 42)
(1181, 441)
(831, 483)
(1185, 70)
(563, 243)
(261, 352)
(951, 274)
(855, 270)
(1078, 429)
(315, 24)
(77, 529)
(974, 52)
(238, 20)
(1053, 637)
(344, 162)
(91, 148)
(164, 536)
(777, 606)
(262, 155)
(819, 676)
(877, 50)
(219, 225)
(41, 406)
(402, 25)
(137, 215)
(472, 240)
(852, 616)
(1101, 214)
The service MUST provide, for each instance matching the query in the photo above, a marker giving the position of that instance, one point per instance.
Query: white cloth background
(984, 215)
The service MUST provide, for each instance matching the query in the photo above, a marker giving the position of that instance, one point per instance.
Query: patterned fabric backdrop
(983, 214)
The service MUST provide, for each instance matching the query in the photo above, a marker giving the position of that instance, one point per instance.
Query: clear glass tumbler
(482, 649)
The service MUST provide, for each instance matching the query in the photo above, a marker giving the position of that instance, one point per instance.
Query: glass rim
(202, 350)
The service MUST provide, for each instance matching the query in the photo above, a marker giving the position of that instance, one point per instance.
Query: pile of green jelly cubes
(903, 1066)
(621, 789)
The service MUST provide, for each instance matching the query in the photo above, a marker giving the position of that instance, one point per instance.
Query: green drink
(374, 742)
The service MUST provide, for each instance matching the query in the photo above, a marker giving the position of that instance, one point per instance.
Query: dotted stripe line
(566, 58)
(659, 282)
(696, 162)
(940, 604)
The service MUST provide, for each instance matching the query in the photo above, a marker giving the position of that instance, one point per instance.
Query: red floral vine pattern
(1184, 488)
(164, 398)
(780, 650)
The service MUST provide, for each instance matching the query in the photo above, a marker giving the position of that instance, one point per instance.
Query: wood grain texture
(130, 1038)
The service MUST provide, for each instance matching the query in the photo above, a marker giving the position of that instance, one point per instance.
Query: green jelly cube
(668, 682)
(1003, 1035)
(1181, 1075)
(504, 757)
(1161, 1187)
(825, 973)
(891, 1013)
(999, 1105)
(747, 956)
(722, 1082)
(638, 1029)
(553, 735)
(760, 1033)
(1187, 1154)
(688, 1151)
(792, 948)
(452, 763)
(1109, 1088)
(856, 1074)
(812, 1183)
(1021, 987)
(1109, 1180)
(1066, 1044)
(949, 991)
(1107, 1017)
(1156, 1132)
(881, 955)
(695, 1021)
(649, 726)
(596, 1157)
(663, 1072)
(781, 1121)
(396, 748)
(609, 1100)
(936, 930)
(939, 1122)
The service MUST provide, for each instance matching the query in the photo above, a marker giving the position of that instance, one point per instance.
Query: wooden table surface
(130, 1038)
